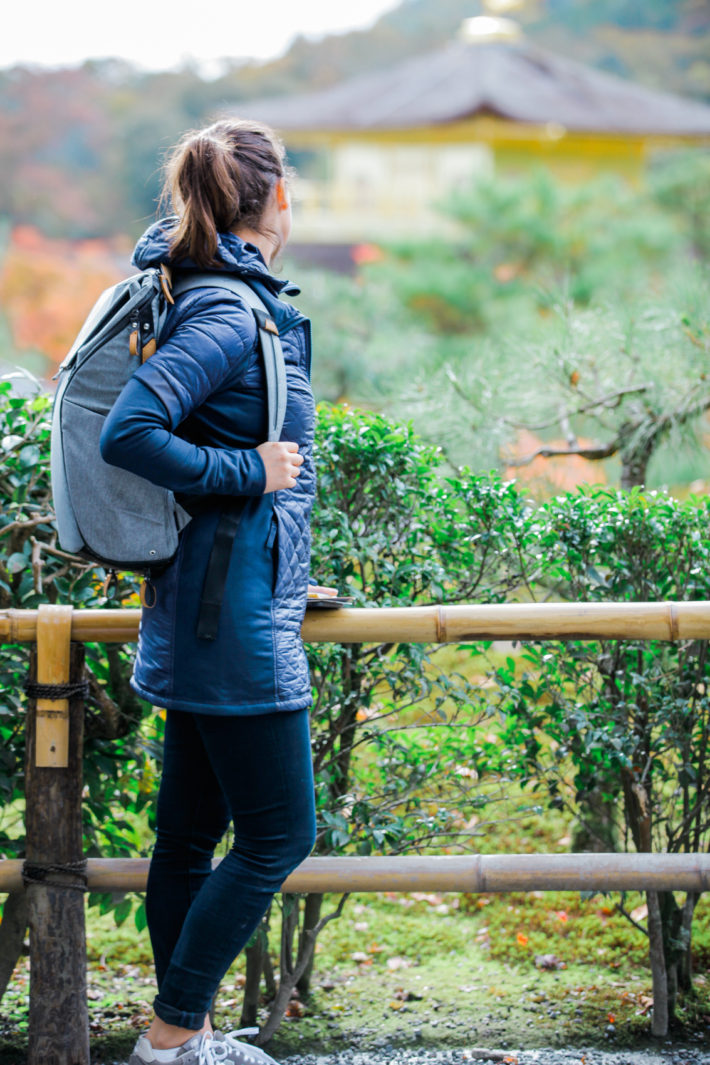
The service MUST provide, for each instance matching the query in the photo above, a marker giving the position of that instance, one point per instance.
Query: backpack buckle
(166, 282)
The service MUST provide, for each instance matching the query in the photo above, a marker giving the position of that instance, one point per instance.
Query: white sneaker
(198, 1050)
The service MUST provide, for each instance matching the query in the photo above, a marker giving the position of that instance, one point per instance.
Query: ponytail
(217, 179)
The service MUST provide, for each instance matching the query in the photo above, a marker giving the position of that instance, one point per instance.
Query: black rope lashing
(43, 872)
(56, 691)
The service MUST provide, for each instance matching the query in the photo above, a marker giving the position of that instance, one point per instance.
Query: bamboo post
(54, 870)
(52, 715)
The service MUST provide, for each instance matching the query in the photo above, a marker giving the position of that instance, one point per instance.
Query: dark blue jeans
(257, 772)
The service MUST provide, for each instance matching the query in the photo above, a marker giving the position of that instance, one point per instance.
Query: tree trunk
(269, 976)
(311, 917)
(685, 965)
(289, 971)
(58, 1019)
(255, 964)
(257, 957)
(12, 935)
(638, 816)
(595, 827)
(292, 970)
(657, 958)
(634, 466)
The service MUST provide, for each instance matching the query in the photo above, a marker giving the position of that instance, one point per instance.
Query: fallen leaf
(549, 961)
(404, 994)
(646, 1004)
(398, 963)
(421, 896)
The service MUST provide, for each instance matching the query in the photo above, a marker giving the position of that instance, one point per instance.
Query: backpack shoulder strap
(269, 341)
(272, 354)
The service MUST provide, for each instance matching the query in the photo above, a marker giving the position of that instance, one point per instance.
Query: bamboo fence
(58, 1022)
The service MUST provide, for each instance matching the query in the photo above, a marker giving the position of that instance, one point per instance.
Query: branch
(698, 342)
(108, 722)
(313, 933)
(457, 385)
(610, 401)
(624, 913)
(70, 558)
(37, 564)
(599, 452)
(31, 523)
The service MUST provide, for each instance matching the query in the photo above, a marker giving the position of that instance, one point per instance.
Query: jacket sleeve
(204, 352)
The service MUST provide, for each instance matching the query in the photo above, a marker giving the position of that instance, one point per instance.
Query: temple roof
(513, 80)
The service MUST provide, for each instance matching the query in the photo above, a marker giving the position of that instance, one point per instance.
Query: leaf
(122, 911)
(140, 918)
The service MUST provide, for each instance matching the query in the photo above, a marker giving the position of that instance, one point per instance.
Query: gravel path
(582, 1056)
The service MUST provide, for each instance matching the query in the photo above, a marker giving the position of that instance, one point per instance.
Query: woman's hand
(282, 463)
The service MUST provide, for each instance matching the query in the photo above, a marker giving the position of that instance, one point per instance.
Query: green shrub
(33, 569)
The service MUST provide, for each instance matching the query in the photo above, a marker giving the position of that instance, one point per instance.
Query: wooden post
(58, 1019)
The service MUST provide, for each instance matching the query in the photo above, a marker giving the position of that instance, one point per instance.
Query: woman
(193, 419)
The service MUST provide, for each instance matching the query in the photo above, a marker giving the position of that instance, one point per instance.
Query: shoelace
(211, 1052)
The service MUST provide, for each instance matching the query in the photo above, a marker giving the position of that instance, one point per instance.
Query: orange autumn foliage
(545, 477)
(48, 286)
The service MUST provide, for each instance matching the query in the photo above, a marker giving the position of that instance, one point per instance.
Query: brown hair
(219, 178)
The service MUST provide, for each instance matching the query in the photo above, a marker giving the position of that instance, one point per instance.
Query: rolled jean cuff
(179, 1018)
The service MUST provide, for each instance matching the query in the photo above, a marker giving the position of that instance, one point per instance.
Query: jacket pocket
(272, 545)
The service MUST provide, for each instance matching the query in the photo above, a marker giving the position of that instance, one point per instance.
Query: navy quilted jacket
(190, 420)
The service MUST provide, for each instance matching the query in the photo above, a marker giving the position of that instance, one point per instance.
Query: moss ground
(514, 970)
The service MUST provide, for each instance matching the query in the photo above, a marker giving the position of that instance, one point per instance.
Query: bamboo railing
(429, 624)
(58, 1023)
(470, 873)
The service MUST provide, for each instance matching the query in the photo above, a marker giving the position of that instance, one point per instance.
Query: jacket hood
(238, 256)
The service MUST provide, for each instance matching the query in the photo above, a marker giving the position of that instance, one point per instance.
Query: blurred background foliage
(80, 149)
(543, 317)
(552, 319)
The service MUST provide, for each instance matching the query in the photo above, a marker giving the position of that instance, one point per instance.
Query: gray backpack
(107, 515)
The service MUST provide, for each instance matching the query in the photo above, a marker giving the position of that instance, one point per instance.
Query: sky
(160, 36)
